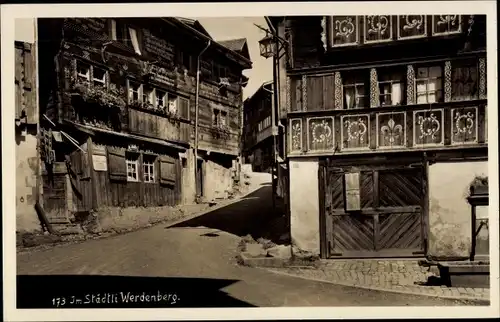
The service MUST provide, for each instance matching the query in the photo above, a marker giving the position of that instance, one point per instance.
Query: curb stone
(402, 290)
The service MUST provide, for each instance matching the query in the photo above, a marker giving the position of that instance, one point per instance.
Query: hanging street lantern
(267, 46)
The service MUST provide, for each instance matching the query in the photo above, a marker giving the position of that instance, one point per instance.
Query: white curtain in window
(396, 93)
(135, 41)
(349, 97)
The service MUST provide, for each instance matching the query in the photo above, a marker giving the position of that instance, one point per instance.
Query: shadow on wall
(252, 215)
(116, 292)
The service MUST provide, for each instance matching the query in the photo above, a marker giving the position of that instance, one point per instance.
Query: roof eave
(244, 62)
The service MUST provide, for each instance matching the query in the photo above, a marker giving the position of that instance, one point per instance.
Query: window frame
(464, 65)
(439, 80)
(130, 88)
(133, 161)
(85, 76)
(148, 168)
(355, 84)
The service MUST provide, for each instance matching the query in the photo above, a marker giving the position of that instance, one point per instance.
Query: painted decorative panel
(464, 125)
(378, 28)
(320, 134)
(410, 85)
(295, 135)
(355, 132)
(323, 33)
(428, 127)
(288, 95)
(391, 130)
(338, 91)
(446, 24)
(344, 31)
(412, 26)
(447, 81)
(304, 92)
(374, 89)
(482, 78)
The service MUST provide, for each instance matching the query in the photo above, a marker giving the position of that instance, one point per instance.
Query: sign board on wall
(100, 162)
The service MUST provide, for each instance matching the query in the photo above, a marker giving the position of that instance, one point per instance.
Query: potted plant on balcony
(479, 186)
(220, 132)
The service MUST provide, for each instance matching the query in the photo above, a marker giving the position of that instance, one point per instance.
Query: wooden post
(376, 203)
(92, 174)
(425, 204)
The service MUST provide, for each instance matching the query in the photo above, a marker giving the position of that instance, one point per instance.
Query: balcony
(396, 128)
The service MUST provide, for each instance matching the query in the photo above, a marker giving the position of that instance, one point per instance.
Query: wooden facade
(377, 99)
(125, 89)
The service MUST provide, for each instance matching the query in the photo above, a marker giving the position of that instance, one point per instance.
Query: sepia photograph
(191, 158)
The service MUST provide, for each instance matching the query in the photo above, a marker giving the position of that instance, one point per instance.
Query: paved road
(204, 247)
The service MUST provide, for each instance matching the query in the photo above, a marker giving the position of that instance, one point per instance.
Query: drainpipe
(197, 107)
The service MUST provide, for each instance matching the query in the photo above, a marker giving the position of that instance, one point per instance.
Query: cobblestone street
(402, 276)
(198, 249)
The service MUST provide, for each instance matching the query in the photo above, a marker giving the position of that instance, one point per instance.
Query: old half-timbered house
(126, 92)
(386, 129)
(257, 136)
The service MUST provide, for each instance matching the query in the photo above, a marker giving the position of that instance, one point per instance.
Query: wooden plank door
(389, 221)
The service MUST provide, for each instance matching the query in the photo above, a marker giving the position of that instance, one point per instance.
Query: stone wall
(26, 174)
(304, 204)
(449, 211)
(188, 178)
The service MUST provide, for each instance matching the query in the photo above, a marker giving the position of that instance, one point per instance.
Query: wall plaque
(100, 162)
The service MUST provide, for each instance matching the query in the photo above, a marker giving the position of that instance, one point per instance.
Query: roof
(237, 45)
(195, 24)
(189, 26)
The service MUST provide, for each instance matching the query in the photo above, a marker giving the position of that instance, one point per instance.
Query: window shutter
(352, 195)
(117, 165)
(167, 170)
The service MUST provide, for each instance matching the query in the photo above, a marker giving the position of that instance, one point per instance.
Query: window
(172, 103)
(354, 94)
(122, 32)
(134, 92)
(186, 61)
(132, 168)
(219, 118)
(429, 84)
(464, 80)
(161, 98)
(390, 89)
(184, 108)
(98, 77)
(148, 95)
(148, 167)
(83, 71)
(222, 72)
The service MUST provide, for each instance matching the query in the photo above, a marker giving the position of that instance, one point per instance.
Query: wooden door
(199, 179)
(389, 221)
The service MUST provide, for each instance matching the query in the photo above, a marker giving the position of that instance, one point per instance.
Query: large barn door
(373, 211)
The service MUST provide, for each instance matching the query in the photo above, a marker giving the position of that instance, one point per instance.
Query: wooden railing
(412, 127)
